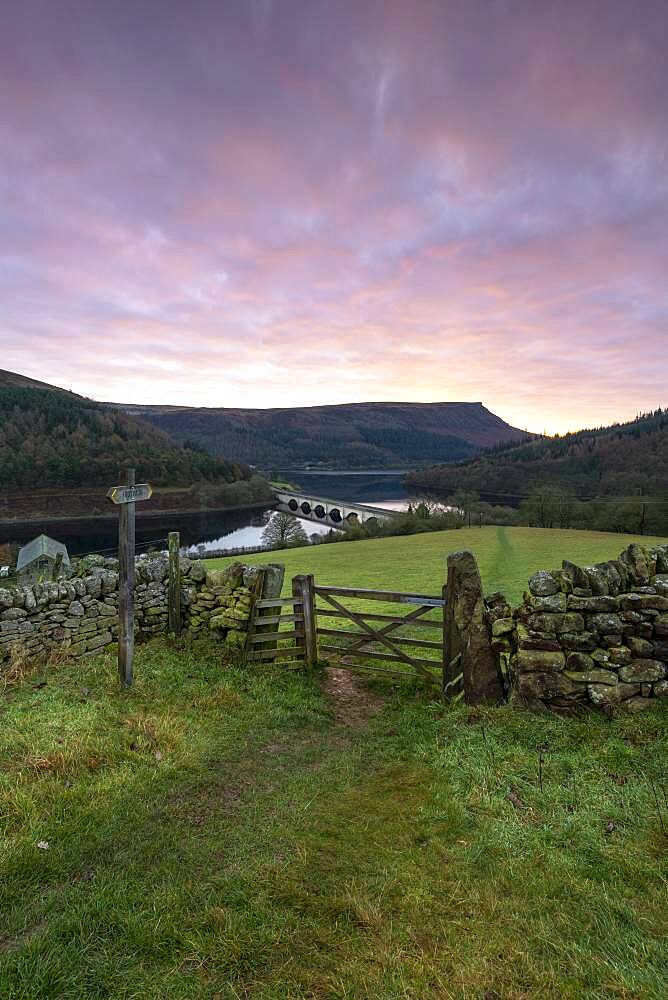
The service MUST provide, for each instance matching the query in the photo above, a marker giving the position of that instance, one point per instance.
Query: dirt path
(352, 703)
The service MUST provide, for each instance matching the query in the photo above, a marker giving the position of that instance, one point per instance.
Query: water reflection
(209, 531)
(249, 536)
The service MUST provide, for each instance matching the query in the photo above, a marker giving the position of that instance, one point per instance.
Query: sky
(279, 203)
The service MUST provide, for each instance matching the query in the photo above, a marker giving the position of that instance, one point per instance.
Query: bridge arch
(334, 513)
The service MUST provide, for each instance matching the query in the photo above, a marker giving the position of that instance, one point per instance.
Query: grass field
(506, 556)
(215, 833)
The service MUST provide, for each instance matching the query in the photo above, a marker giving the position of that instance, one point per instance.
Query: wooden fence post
(174, 596)
(303, 588)
(310, 622)
(57, 566)
(452, 640)
(447, 673)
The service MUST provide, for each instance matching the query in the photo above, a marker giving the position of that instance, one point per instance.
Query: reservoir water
(213, 530)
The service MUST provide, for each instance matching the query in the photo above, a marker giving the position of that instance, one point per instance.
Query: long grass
(213, 833)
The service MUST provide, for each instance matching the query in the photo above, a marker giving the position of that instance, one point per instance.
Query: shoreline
(143, 515)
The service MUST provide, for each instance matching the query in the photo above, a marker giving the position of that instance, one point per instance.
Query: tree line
(544, 508)
(620, 461)
(54, 438)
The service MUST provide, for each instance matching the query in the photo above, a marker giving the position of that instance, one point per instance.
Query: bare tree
(284, 532)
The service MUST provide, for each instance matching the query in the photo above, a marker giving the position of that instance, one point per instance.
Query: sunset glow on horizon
(265, 204)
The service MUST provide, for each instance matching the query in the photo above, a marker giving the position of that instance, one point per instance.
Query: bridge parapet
(324, 510)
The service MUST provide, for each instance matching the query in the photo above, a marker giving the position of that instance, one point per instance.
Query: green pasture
(507, 557)
(215, 833)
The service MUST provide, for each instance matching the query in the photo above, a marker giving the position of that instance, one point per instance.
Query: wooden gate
(267, 628)
(381, 636)
(318, 624)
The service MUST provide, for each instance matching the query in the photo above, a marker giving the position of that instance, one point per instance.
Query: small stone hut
(37, 559)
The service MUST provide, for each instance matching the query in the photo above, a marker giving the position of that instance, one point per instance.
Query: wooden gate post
(303, 592)
(449, 638)
(174, 596)
(267, 586)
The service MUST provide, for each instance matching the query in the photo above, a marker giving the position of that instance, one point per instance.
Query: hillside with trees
(609, 478)
(350, 435)
(620, 460)
(53, 438)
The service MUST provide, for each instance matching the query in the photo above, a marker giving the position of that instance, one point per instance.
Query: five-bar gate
(402, 635)
(383, 637)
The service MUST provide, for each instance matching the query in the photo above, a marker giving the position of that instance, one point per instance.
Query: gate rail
(317, 625)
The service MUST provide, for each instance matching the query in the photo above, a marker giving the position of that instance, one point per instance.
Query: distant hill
(618, 461)
(350, 435)
(50, 438)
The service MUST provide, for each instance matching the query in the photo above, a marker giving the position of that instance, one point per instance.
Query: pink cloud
(311, 202)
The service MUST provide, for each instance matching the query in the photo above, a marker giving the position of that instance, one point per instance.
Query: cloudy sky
(257, 203)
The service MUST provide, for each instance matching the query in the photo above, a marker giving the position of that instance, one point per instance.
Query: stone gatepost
(468, 633)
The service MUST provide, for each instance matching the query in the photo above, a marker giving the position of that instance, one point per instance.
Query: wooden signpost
(126, 496)
(129, 494)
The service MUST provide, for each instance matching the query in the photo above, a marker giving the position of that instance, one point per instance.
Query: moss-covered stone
(638, 561)
(579, 662)
(661, 625)
(532, 640)
(545, 661)
(502, 626)
(543, 584)
(639, 671)
(235, 639)
(576, 576)
(231, 577)
(550, 687)
(620, 655)
(598, 581)
(592, 605)
(593, 676)
(640, 648)
(643, 602)
(583, 642)
(555, 623)
(606, 624)
(555, 602)
(609, 695)
(637, 704)
(660, 553)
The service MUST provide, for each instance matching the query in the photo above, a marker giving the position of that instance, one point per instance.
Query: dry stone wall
(79, 615)
(589, 635)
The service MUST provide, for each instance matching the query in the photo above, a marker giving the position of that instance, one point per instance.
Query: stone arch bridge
(334, 513)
